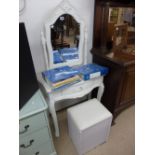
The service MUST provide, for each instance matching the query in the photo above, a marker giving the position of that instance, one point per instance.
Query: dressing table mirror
(64, 37)
(64, 40)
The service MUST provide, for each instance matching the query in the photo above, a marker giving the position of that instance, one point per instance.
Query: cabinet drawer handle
(26, 146)
(37, 153)
(25, 129)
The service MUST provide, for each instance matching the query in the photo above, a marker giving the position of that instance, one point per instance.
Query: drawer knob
(37, 153)
(26, 146)
(25, 129)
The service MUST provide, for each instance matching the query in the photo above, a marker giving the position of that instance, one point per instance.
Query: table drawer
(43, 149)
(31, 124)
(82, 88)
(33, 140)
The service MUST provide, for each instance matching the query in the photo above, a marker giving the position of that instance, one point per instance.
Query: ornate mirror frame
(64, 8)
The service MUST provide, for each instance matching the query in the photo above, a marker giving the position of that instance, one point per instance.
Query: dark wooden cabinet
(120, 82)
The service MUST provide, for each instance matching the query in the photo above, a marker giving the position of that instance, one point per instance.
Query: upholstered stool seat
(89, 125)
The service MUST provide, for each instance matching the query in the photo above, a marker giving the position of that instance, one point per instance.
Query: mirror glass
(121, 29)
(65, 34)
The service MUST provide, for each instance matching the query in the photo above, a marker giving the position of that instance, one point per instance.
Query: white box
(89, 125)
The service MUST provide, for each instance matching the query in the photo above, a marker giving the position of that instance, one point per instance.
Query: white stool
(89, 125)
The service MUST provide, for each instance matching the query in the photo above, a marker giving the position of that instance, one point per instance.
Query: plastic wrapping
(62, 77)
(65, 54)
(60, 73)
(90, 71)
(57, 57)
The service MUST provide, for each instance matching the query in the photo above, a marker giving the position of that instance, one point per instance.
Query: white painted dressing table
(79, 89)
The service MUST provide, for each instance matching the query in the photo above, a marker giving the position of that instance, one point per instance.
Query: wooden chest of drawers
(34, 132)
(120, 82)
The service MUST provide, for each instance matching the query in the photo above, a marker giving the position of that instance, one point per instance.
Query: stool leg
(100, 92)
(54, 116)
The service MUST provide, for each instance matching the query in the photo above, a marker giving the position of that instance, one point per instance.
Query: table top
(119, 57)
(35, 105)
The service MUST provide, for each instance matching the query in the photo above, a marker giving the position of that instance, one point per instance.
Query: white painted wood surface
(64, 8)
(77, 90)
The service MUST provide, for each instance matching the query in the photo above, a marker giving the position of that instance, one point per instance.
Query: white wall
(36, 12)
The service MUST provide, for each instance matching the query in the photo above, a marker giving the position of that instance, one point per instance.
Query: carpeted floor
(121, 140)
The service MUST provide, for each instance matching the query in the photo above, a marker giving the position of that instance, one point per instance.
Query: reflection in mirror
(65, 34)
(121, 29)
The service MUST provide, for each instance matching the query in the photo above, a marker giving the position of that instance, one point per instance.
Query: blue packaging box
(60, 73)
(69, 53)
(90, 71)
(57, 57)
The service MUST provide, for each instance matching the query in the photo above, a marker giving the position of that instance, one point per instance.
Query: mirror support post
(43, 40)
(85, 43)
